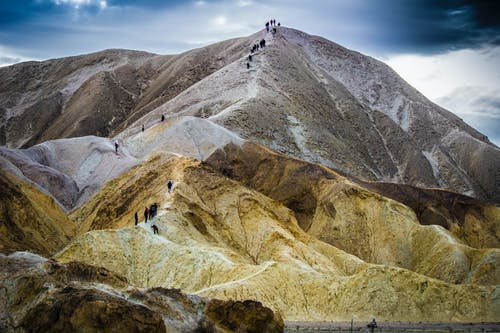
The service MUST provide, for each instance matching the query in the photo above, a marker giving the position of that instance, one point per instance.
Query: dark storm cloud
(430, 26)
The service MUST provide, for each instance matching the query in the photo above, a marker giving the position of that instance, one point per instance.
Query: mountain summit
(302, 95)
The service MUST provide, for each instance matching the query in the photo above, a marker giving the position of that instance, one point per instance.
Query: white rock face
(188, 136)
(71, 170)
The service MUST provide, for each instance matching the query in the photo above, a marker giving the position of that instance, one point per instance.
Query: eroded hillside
(221, 239)
(301, 182)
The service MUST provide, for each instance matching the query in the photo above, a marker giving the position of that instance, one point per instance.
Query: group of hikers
(162, 119)
(262, 43)
(152, 211)
(271, 23)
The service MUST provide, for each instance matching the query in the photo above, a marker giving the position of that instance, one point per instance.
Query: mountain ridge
(303, 95)
(309, 179)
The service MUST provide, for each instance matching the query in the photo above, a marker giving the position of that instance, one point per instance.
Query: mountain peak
(302, 95)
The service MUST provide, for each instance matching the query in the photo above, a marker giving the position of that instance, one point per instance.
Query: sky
(448, 49)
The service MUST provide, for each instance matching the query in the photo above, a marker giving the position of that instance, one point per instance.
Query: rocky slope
(220, 239)
(40, 295)
(99, 93)
(315, 100)
(30, 219)
(265, 206)
(303, 95)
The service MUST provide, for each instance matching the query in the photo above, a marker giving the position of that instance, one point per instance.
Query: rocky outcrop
(40, 295)
(473, 221)
(30, 219)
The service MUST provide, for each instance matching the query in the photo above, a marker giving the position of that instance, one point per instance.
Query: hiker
(151, 211)
(162, 117)
(249, 57)
(248, 65)
(279, 24)
(372, 325)
(116, 147)
(267, 26)
(136, 218)
(155, 229)
(146, 214)
(170, 184)
(143, 128)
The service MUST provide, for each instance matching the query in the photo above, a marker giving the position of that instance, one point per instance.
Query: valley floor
(393, 327)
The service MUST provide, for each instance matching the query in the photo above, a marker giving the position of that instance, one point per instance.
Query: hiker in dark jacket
(136, 218)
(146, 214)
(155, 230)
(170, 184)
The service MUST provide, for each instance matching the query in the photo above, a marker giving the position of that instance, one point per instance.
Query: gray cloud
(477, 106)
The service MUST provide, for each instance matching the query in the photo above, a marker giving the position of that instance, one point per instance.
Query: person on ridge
(143, 128)
(146, 214)
(136, 218)
(162, 117)
(155, 230)
(151, 211)
(170, 184)
(116, 147)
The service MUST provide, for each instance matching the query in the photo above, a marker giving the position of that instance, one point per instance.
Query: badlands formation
(317, 183)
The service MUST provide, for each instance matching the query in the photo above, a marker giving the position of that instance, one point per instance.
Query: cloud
(438, 75)
(8, 58)
(102, 4)
(220, 21)
(478, 106)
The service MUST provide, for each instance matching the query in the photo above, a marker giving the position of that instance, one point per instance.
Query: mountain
(315, 183)
(304, 96)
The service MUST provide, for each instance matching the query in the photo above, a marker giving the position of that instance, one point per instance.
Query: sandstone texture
(221, 239)
(40, 295)
(30, 219)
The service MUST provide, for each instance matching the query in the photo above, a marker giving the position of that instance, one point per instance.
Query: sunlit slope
(30, 219)
(221, 239)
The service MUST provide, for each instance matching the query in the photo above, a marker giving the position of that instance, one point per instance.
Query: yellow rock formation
(219, 238)
(30, 219)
